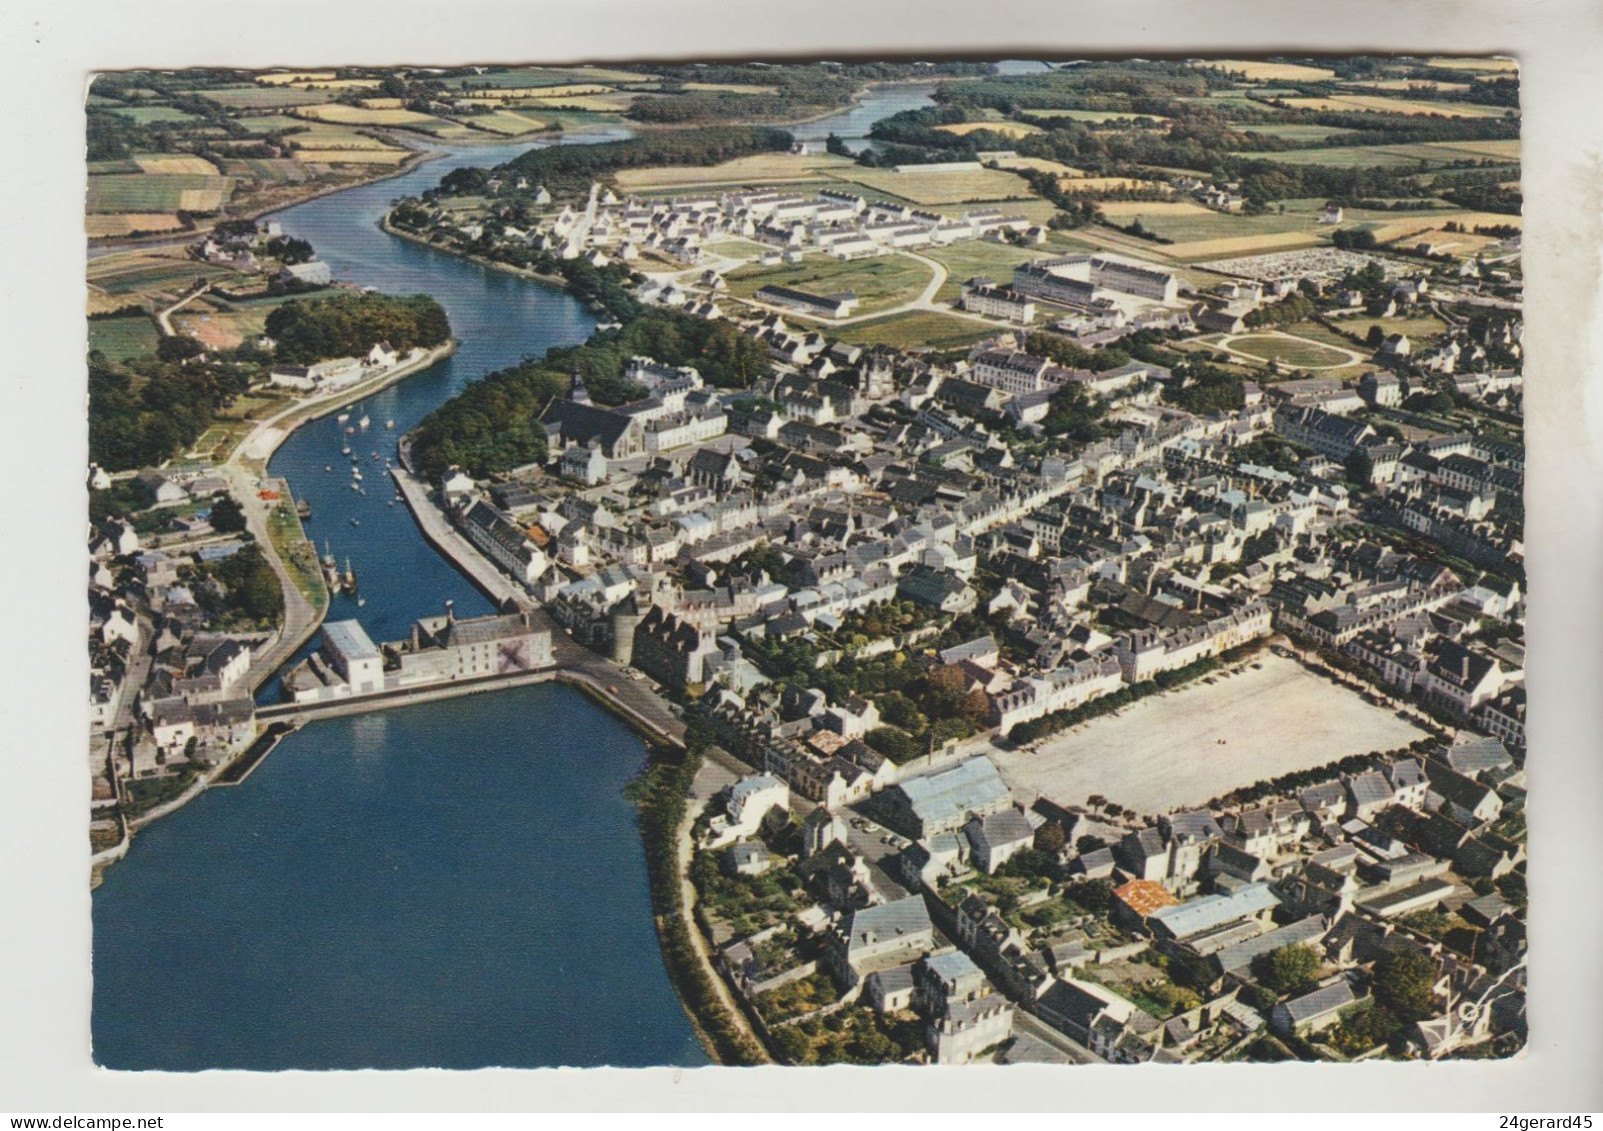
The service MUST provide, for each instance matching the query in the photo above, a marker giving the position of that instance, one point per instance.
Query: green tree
(1050, 838)
(1402, 983)
(1290, 969)
(228, 517)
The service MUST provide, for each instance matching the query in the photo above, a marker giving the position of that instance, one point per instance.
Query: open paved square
(1164, 752)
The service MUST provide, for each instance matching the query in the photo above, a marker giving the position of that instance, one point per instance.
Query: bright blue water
(852, 125)
(456, 884)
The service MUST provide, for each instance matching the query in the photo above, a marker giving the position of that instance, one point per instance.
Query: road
(300, 615)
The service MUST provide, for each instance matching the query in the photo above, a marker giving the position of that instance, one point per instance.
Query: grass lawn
(760, 168)
(968, 258)
(121, 338)
(1295, 352)
(1417, 328)
(138, 274)
(880, 282)
(916, 330)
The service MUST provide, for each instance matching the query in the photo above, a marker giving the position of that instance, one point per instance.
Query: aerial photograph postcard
(913, 561)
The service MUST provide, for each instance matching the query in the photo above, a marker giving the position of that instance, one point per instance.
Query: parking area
(1185, 747)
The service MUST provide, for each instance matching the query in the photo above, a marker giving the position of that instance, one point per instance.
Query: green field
(156, 192)
(1298, 133)
(549, 76)
(1298, 354)
(968, 258)
(507, 122)
(880, 282)
(152, 275)
(280, 170)
(1370, 156)
(262, 97)
(1092, 115)
(1191, 227)
(145, 115)
(124, 337)
(915, 330)
(123, 165)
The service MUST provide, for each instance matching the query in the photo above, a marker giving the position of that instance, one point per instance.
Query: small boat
(356, 522)
(328, 467)
(364, 421)
(356, 486)
(303, 508)
(356, 474)
(346, 450)
(343, 417)
(392, 502)
(350, 431)
(389, 424)
(360, 601)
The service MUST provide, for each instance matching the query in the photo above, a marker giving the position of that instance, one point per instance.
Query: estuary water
(457, 884)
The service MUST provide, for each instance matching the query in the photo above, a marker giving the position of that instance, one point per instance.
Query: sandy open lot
(1163, 753)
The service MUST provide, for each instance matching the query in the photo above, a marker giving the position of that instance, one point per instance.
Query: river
(455, 884)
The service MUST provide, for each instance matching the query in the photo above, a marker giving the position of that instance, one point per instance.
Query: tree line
(350, 324)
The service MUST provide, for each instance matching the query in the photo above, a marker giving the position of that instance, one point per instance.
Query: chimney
(450, 611)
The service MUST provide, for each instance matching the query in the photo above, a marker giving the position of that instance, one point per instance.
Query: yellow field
(176, 164)
(1381, 104)
(1103, 184)
(732, 87)
(336, 137)
(338, 84)
(1011, 129)
(1042, 165)
(202, 200)
(1499, 65)
(123, 223)
(507, 122)
(1120, 209)
(506, 93)
(1505, 148)
(1406, 84)
(1259, 70)
(360, 116)
(615, 103)
(1454, 243)
(1404, 225)
(1241, 245)
(352, 156)
(762, 168)
(945, 188)
(281, 78)
(384, 103)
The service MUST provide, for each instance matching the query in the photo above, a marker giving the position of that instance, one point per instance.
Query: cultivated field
(262, 97)
(1041, 164)
(176, 163)
(759, 169)
(1499, 67)
(732, 87)
(1243, 245)
(508, 122)
(1296, 132)
(1152, 209)
(879, 282)
(1164, 752)
(1094, 116)
(146, 192)
(1011, 129)
(122, 338)
(282, 78)
(945, 188)
(1261, 71)
(361, 116)
(145, 115)
(126, 223)
(1104, 184)
(1383, 104)
(352, 156)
